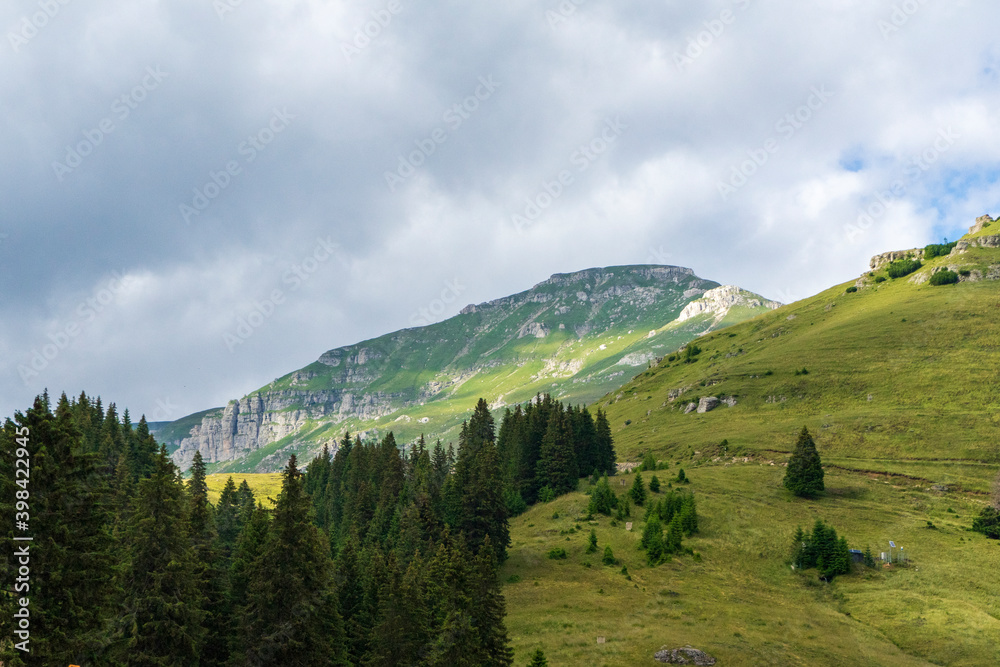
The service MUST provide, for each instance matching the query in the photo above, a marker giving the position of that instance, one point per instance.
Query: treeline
(371, 558)
(546, 447)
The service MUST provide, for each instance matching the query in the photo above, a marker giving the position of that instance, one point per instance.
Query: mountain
(576, 336)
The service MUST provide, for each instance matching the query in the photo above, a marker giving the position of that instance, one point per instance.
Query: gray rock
(690, 407)
(729, 400)
(708, 403)
(878, 261)
(686, 655)
(981, 222)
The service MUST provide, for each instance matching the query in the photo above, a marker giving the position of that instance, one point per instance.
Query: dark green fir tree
(162, 617)
(291, 615)
(804, 476)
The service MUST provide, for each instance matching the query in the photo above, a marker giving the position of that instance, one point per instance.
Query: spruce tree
(605, 448)
(538, 659)
(162, 616)
(675, 535)
(557, 467)
(227, 519)
(291, 615)
(401, 631)
(609, 556)
(210, 571)
(356, 610)
(67, 510)
(638, 490)
(652, 540)
(449, 596)
(489, 610)
(478, 506)
(804, 476)
(602, 498)
(248, 549)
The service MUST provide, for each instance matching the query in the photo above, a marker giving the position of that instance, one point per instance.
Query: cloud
(707, 95)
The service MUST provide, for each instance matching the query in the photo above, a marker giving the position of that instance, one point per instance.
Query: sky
(201, 196)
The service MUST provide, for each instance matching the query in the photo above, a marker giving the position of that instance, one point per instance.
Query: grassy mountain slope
(898, 371)
(901, 398)
(576, 336)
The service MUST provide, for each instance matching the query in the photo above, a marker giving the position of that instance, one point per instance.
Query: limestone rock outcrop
(718, 301)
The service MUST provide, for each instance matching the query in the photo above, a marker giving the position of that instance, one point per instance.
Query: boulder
(729, 400)
(690, 407)
(686, 655)
(708, 403)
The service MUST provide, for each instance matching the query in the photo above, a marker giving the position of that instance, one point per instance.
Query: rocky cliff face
(878, 261)
(249, 423)
(575, 333)
(719, 300)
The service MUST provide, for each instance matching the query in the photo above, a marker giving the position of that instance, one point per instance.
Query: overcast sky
(346, 169)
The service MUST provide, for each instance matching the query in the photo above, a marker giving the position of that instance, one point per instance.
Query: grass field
(265, 486)
(742, 603)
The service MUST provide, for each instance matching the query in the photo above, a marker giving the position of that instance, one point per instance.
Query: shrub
(938, 249)
(609, 556)
(851, 289)
(902, 267)
(538, 659)
(880, 279)
(515, 503)
(592, 542)
(558, 553)
(988, 523)
(603, 499)
(944, 277)
(690, 352)
(649, 462)
(546, 494)
(654, 484)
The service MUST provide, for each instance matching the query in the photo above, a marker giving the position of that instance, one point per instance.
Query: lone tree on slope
(804, 476)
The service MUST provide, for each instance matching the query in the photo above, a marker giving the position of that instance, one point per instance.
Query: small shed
(857, 556)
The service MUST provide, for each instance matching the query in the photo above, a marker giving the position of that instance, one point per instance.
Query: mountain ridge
(578, 334)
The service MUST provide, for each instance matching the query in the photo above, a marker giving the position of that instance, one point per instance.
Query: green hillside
(576, 336)
(898, 384)
(899, 374)
(741, 602)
